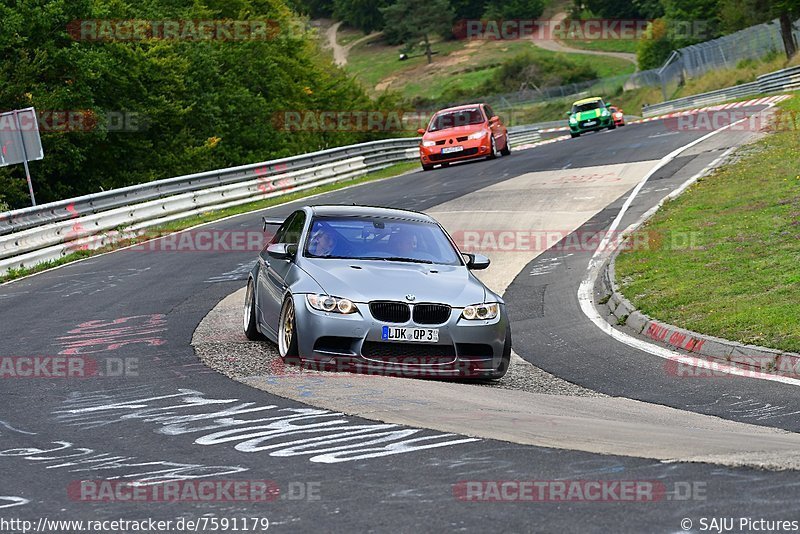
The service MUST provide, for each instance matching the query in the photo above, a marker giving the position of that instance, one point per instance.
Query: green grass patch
(209, 216)
(724, 256)
(603, 45)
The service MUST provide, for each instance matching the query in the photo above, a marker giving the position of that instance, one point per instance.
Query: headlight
(478, 135)
(479, 312)
(572, 119)
(331, 304)
(605, 112)
(429, 143)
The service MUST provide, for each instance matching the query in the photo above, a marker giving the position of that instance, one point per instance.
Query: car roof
(338, 210)
(587, 100)
(458, 108)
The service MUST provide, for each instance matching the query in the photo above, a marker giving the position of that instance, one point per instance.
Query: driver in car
(323, 243)
(401, 244)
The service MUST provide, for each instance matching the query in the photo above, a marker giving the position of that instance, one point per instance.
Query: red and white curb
(755, 102)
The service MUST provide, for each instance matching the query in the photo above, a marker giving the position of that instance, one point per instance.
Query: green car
(589, 115)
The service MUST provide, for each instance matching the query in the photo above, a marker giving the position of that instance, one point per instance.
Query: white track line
(604, 251)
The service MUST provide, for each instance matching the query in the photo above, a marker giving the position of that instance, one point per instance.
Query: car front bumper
(473, 148)
(601, 122)
(353, 343)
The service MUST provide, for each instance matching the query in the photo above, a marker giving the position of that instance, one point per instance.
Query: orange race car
(461, 133)
(617, 115)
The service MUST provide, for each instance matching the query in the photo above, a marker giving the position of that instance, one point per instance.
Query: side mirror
(421, 131)
(477, 262)
(494, 118)
(282, 251)
(567, 113)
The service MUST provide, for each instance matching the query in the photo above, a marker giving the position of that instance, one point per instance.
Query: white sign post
(20, 141)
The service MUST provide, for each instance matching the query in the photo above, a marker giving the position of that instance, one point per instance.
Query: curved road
(164, 416)
(554, 45)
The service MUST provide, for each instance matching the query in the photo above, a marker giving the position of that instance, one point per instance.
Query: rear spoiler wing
(265, 221)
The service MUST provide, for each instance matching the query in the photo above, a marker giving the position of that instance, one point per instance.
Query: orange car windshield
(453, 119)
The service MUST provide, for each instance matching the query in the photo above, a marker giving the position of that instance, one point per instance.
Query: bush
(525, 71)
(655, 46)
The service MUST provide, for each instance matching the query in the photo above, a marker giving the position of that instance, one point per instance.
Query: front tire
(492, 148)
(574, 135)
(249, 316)
(426, 167)
(506, 149)
(287, 333)
(501, 371)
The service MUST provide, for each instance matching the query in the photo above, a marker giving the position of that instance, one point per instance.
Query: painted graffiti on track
(322, 435)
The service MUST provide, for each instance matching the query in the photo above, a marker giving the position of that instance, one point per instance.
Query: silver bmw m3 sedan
(371, 289)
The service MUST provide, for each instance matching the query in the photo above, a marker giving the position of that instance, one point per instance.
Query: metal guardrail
(773, 82)
(780, 80)
(97, 202)
(49, 231)
(522, 135)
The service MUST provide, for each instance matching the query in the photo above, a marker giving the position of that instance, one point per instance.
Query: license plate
(590, 123)
(418, 335)
(451, 149)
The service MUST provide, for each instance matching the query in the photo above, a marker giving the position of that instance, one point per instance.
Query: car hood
(452, 133)
(364, 281)
(586, 115)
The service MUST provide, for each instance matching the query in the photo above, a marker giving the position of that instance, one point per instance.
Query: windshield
(379, 239)
(453, 119)
(587, 106)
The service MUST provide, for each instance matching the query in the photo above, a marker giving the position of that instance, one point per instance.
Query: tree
(313, 8)
(468, 9)
(514, 9)
(412, 20)
(362, 14)
(738, 14)
(682, 14)
(787, 11)
(201, 105)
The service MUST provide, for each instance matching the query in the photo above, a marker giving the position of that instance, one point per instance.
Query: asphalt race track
(168, 417)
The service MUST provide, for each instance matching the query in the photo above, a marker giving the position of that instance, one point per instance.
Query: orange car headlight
(478, 135)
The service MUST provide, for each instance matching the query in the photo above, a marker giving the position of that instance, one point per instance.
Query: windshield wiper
(398, 258)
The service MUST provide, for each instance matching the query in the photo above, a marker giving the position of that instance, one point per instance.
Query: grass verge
(726, 251)
(206, 217)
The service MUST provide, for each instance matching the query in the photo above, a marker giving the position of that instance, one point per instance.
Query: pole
(25, 157)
